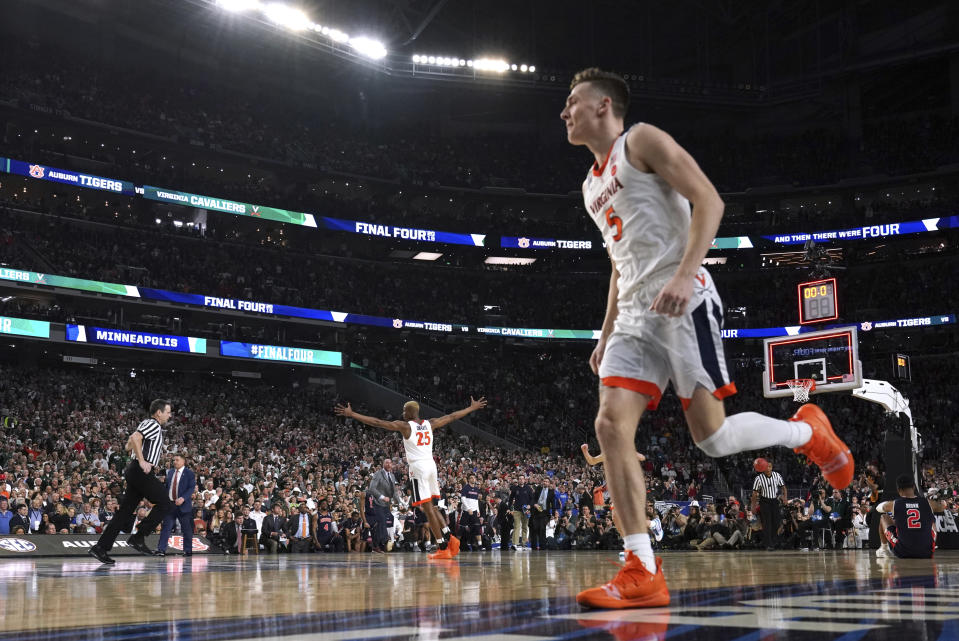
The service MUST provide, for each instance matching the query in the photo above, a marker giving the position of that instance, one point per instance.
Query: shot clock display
(817, 301)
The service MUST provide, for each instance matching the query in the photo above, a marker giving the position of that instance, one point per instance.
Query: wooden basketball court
(519, 596)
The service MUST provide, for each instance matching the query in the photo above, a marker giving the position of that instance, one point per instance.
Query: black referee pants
(139, 486)
(771, 519)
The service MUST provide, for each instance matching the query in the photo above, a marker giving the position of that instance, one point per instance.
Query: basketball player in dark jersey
(908, 524)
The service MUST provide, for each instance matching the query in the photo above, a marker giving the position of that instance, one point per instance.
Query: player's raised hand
(477, 404)
(343, 410)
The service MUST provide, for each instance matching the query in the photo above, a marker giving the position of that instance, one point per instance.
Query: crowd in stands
(257, 448)
(270, 124)
(144, 257)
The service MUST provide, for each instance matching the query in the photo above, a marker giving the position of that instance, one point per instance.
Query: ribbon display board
(78, 544)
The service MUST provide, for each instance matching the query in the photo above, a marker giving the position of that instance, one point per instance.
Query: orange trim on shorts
(426, 500)
(636, 385)
(726, 390)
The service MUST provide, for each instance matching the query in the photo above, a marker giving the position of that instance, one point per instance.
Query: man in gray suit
(376, 503)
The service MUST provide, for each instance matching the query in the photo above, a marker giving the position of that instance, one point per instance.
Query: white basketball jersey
(645, 224)
(419, 446)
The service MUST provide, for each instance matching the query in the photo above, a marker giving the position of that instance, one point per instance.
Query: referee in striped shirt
(769, 489)
(146, 444)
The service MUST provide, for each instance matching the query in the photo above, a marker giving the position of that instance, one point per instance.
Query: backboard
(830, 357)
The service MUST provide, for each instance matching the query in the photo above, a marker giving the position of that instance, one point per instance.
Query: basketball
(760, 465)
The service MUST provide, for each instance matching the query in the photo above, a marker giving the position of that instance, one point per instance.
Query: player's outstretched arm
(457, 415)
(346, 411)
(599, 458)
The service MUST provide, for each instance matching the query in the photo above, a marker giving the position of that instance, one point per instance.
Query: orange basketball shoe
(440, 554)
(454, 545)
(633, 587)
(825, 449)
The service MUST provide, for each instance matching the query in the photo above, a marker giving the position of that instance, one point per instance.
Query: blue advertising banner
(523, 242)
(53, 174)
(404, 233)
(868, 231)
(144, 340)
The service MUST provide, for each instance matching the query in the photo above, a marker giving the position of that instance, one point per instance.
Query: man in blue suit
(180, 485)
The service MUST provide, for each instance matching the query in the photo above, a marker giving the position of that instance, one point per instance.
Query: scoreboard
(817, 301)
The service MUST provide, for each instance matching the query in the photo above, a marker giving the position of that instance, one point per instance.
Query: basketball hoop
(800, 388)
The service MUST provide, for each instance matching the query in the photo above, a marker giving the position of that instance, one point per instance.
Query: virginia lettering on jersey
(609, 190)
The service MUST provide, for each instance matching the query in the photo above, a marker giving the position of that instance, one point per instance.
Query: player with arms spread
(418, 443)
(908, 523)
(663, 321)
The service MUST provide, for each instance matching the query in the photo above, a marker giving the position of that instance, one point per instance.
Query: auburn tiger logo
(36, 171)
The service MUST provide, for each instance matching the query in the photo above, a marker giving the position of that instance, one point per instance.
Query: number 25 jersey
(419, 446)
(644, 223)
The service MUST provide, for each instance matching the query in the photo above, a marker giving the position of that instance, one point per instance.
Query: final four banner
(143, 340)
(65, 176)
(404, 233)
(228, 206)
(298, 355)
(868, 231)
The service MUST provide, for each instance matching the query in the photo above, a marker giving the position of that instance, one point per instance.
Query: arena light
(338, 36)
(237, 6)
(368, 47)
(490, 64)
(509, 260)
(427, 256)
(286, 16)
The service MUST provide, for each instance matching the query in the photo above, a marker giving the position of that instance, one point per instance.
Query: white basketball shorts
(645, 353)
(425, 485)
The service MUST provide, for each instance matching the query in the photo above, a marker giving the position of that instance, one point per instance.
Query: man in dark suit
(301, 529)
(544, 503)
(377, 503)
(180, 485)
(274, 528)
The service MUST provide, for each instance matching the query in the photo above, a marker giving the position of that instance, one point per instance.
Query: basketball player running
(418, 443)
(663, 321)
(908, 523)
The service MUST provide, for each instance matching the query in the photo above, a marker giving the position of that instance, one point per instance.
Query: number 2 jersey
(419, 446)
(645, 225)
(915, 535)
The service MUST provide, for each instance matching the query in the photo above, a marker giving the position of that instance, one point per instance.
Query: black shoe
(159, 553)
(100, 555)
(139, 544)
(188, 554)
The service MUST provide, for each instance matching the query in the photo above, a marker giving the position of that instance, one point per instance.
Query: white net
(801, 388)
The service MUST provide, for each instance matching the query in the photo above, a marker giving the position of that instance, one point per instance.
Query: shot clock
(817, 301)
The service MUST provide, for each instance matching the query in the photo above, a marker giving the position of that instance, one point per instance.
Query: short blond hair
(609, 84)
(411, 405)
